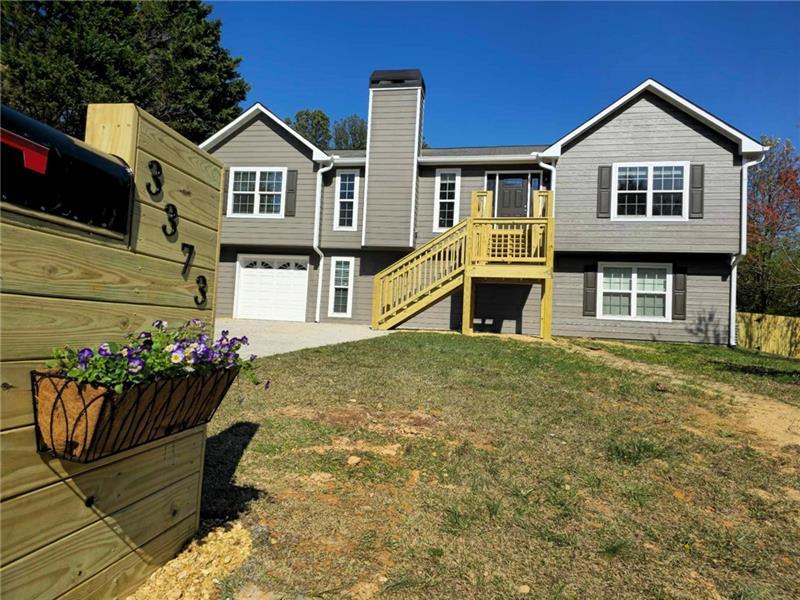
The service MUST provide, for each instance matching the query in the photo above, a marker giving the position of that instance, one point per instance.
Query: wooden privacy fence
(96, 530)
(769, 333)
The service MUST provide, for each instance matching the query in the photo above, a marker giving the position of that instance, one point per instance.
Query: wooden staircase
(479, 248)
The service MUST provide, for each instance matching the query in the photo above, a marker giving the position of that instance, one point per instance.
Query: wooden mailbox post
(97, 530)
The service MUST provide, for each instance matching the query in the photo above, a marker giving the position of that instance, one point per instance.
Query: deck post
(468, 310)
(546, 310)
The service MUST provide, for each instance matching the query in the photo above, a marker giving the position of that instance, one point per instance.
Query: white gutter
(743, 220)
(478, 159)
(349, 161)
(552, 170)
(736, 258)
(315, 243)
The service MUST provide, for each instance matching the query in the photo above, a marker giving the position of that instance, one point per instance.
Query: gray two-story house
(629, 226)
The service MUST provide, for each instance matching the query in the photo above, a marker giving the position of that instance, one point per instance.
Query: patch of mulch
(195, 572)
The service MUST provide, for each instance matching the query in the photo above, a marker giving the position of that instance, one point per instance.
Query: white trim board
(366, 173)
(746, 143)
(415, 171)
(316, 153)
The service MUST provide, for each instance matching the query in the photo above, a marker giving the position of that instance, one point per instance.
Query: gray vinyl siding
(707, 298)
(262, 143)
(648, 129)
(499, 308)
(366, 264)
(340, 239)
(226, 281)
(391, 170)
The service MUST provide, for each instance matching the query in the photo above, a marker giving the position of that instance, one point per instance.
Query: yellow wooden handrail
(436, 268)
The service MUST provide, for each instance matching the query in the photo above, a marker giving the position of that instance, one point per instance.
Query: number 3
(202, 287)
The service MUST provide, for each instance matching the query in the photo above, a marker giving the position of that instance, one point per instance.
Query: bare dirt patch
(404, 423)
(774, 424)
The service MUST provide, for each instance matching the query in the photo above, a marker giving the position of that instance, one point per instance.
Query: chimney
(394, 137)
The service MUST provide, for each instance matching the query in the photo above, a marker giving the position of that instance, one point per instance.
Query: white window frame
(437, 200)
(256, 215)
(635, 266)
(354, 226)
(684, 216)
(351, 261)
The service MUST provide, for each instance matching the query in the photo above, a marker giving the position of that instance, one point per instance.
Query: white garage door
(271, 287)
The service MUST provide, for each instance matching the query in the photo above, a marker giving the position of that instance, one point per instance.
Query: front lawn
(423, 465)
(776, 376)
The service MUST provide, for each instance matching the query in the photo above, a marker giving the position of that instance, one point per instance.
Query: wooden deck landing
(489, 249)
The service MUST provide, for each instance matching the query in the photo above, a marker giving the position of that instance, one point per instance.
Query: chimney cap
(395, 78)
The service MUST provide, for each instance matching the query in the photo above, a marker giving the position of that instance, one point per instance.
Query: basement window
(634, 291)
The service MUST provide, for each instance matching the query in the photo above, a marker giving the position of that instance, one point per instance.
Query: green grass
(766, 374)
(487, 464)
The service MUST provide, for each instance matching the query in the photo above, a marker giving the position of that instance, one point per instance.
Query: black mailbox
(47, 171)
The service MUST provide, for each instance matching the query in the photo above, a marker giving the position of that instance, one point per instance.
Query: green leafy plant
(149, 355)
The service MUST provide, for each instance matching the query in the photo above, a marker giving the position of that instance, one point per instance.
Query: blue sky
(522, 73)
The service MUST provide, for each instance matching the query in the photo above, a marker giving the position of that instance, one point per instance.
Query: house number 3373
(170, 230)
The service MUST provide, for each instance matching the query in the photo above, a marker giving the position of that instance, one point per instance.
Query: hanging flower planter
(94, 404)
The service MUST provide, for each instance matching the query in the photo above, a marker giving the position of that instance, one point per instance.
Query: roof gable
(745, 142)
(260, 109)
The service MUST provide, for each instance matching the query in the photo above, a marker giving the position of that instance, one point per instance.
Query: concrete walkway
(277, 337)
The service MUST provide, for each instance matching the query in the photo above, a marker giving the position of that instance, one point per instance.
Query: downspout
(315, 243)
(552, 170)
(736, 258)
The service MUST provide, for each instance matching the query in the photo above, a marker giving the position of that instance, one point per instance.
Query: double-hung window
(346, 207)
(657, 191)
(340, 299)
(637, 292)
(257, 192)
(446, 201)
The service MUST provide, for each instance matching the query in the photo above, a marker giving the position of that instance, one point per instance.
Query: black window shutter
(590, 291)
(604, 192)
(291, 193)
(696, 177)
(679, 293)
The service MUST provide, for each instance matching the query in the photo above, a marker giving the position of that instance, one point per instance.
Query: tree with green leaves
(350, 133)
(769, 275)
(166, 57)
(314, 125)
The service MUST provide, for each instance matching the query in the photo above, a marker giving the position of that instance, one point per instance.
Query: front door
(512, 196)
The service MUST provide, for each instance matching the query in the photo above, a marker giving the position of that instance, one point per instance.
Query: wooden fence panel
(769, 333)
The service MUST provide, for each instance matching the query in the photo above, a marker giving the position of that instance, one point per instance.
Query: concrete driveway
(277, 337)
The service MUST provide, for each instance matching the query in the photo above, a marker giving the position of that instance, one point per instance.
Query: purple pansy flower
(104, 349)
(126, 351)
(135, 365)
(159, 324)
(253, 357)
(176, 356)
(85, 355)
